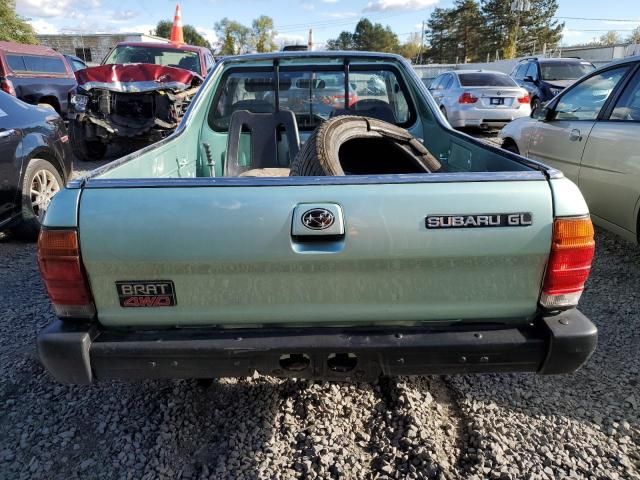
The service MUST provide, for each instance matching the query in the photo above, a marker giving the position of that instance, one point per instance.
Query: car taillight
(467, 97)
(7, 87)
(63, 274)
(524, 99)
(569, 263)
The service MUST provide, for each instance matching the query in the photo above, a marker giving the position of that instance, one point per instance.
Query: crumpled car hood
(136, 77)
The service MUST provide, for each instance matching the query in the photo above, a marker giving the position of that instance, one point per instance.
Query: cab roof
(21, 48)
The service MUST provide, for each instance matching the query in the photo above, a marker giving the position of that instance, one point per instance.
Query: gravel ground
(585, 425)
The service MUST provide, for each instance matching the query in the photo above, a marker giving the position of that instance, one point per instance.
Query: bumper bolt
(484, 359)
(152, 364)
(462, 359)
(563, 321)
(400, 361)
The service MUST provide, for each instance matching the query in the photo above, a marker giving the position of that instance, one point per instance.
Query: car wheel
(358, 145)
(40, 183)
(85, 150)
(535, 104)
(510, 146)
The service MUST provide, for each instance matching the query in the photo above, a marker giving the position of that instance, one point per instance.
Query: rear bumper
(492, 117)
(76, 353)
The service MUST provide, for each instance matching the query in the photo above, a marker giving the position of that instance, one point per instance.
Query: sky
(584, 19)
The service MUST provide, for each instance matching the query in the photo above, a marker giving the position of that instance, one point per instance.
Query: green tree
(610, 38)
(343, 42)
(510, 34)
(263, 34)
(634, 37)
(367, 36)
(467, 28)
(233, 37)
(191, 36)
(14, 28)
(441, 36)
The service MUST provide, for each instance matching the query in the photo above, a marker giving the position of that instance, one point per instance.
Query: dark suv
(37, 75)
(544, 78)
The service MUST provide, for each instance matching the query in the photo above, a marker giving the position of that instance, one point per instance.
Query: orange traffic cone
(176, 30)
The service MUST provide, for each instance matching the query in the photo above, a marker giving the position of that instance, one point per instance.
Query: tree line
(469, 31)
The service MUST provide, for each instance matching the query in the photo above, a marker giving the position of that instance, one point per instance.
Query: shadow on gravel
(569, 422)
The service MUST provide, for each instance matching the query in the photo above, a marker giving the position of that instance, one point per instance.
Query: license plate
(497, 101)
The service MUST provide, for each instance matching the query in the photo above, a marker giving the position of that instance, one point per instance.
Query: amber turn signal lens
(570, 261)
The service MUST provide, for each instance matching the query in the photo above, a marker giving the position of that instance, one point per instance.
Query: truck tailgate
(233, 260)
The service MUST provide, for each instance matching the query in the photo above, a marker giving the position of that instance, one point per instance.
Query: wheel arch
(51, 100)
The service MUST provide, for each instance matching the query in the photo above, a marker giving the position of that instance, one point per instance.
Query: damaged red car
(136, 97)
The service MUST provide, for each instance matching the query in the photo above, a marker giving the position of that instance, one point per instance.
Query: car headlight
(79, 102)
(555, 91)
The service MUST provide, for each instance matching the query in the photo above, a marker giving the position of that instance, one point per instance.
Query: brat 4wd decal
(146, 293)
(479, 220)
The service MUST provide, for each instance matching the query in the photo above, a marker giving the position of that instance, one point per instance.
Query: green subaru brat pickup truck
(224, 249)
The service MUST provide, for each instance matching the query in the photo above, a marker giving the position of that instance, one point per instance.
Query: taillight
(524, 99)
(467, 97)
(569, 263)
(63, 274)
(7, 87)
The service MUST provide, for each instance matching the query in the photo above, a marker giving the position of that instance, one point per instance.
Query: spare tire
(351, 145)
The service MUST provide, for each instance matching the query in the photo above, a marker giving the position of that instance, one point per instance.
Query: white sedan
(479, 98)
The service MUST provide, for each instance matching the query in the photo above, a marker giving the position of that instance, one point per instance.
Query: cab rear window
(36, 64)
(313, 96)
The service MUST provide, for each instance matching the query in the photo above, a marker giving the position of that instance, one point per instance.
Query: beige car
(591, 131)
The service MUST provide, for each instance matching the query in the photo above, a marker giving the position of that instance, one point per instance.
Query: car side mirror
(544, 113)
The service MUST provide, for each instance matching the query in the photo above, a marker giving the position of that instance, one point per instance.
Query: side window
(532, 71)
(627, 108)
(446, 84)
(521, 71)
(16, 63)
(44, 64)
(435, 84)
(585, 100)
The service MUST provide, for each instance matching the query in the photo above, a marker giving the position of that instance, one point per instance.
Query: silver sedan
(479, 98)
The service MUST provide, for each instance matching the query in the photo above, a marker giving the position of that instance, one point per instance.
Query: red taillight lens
(63, 274)
(524, 99)
(569, 263)
(7, 87)
(466, 97)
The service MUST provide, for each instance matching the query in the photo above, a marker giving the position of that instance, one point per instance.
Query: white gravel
(585, 425)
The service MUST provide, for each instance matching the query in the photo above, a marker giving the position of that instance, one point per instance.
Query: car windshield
(565, 70)
(486, 80)
(168, 57)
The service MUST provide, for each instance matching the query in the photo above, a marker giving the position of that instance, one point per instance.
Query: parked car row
(486, 99)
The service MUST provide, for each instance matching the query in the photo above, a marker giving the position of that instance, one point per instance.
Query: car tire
(535, 104)
(40, 183)
(84, 150)
(321, 155)
(510, 146)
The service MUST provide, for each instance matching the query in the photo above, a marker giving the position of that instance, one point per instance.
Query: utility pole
(421, 45)
(519, 7)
